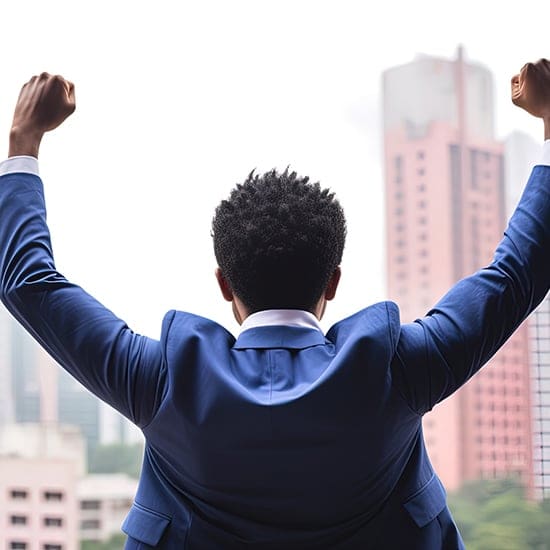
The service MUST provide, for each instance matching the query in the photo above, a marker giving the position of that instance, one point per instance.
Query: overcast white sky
(177, 101)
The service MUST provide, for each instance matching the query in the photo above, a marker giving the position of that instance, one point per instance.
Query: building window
(53, 496)
(49, 546)
(90, 505)
(18, 520)
(90, 524)
(126, 503)
(18, 545)
(398, 167)
(53, 522)
(474, 174)
(19, 494)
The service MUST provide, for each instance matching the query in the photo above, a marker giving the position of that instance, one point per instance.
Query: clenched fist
(531, 91)
(43, 104)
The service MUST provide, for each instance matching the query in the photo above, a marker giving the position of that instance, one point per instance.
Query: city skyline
(26, 408)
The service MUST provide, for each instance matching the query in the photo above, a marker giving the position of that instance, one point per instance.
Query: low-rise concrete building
(104, 502)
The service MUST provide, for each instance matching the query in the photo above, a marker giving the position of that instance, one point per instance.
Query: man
(284, 437)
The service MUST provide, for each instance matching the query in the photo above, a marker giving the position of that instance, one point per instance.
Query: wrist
(24, 142)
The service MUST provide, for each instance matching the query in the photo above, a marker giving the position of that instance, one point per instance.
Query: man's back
(285, 438)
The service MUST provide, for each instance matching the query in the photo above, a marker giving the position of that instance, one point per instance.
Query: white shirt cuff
(545, 157)
(23, 163)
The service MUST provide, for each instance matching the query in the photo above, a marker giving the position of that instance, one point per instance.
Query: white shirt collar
(281, 317)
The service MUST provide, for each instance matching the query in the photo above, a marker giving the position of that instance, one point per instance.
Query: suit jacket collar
(280, 328)
(266, 337)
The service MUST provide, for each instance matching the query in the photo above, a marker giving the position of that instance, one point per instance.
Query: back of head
(278, 239)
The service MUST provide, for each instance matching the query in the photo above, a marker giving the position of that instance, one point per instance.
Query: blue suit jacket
(285, 437)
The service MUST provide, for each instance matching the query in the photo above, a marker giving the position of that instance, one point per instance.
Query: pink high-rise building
(522, 153)
(445, 211)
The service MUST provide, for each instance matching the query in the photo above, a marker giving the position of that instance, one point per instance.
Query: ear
(332, 285)
(225, 288)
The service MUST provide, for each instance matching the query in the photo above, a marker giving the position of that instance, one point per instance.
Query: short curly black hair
(278, 239)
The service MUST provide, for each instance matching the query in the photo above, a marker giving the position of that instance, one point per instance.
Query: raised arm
(440, 352)
(95, 346)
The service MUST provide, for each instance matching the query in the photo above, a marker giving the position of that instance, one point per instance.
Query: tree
(494, 515)
(117, 458)
(116, 542)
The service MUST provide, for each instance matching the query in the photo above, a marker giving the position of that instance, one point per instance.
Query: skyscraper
(7, 413)
(25, 375)
(522, 153)
(445, 212)
(77, 406)
(540, 348)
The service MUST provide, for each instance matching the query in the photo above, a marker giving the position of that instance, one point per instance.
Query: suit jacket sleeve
(97, 348)
(440, 352)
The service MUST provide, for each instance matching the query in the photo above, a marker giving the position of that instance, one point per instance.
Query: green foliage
(494, 515)
(114, 543)
(117, 458)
